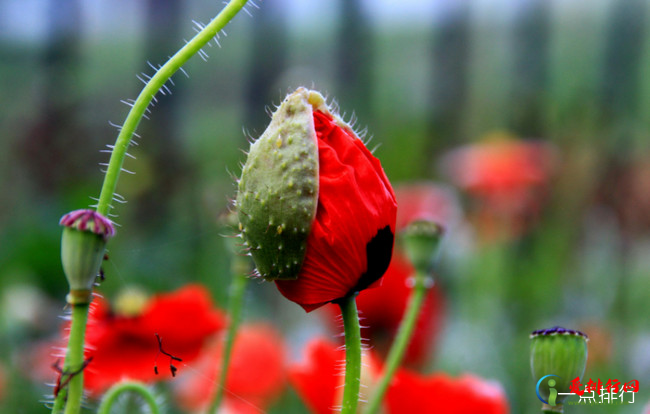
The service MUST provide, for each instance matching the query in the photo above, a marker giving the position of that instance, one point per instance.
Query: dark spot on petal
(378, 254)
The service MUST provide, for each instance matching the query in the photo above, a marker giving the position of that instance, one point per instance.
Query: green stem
(72, 394)
(128, 386)
(402, 339)
(352, 329)
(149, 91)
(237, 289)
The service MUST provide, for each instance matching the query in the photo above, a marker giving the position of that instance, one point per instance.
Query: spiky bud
(83, 244)
(315, 208)
(278, 190)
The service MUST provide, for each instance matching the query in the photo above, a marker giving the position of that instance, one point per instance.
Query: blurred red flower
(468, 394)
(508, 176)
(256, 376)
(126, 346)
(351, 239)
(318, 379)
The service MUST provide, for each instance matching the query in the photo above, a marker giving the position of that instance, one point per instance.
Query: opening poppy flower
(315, 206)
(125, 346)
(256, 375)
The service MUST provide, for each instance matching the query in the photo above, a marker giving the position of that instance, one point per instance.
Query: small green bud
(83, 244)
(278, 190)
(421, 240)
(557, 357)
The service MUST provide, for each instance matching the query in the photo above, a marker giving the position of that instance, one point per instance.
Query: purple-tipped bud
(89, 220)
(83, 244)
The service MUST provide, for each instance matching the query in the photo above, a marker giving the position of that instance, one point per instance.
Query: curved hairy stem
(150, 90)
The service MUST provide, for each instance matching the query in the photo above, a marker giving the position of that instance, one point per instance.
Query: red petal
(355, 203)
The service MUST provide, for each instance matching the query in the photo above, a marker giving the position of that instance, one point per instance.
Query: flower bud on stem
(83, 245)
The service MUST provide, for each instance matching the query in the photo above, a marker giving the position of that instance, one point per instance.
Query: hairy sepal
(278, 191)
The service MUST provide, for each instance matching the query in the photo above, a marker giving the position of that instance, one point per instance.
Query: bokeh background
(425, 77)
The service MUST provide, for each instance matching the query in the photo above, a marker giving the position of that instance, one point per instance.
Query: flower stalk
(423, 282)
(352, 329)
(71, 395)
(133, 387)
(240, 267)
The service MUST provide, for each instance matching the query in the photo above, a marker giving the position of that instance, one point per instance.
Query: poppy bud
(421, 242)
(83, 243)
(559, 354)
(316, 210)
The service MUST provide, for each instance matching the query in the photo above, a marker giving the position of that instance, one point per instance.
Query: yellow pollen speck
(279, 229)
(241, 227)
(278, 143)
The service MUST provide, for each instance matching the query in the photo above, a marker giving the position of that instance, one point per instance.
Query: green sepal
(82, 253)
(278, 190)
